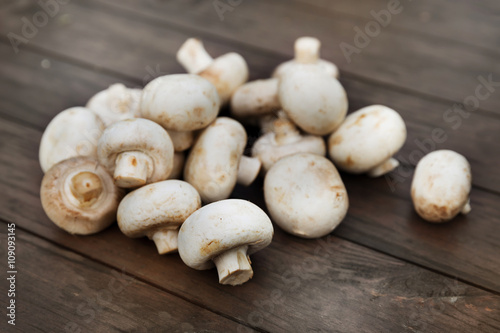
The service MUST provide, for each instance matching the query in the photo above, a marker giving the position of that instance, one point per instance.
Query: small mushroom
(285, 140)
(255, 99)
(225, 233)
(73, 132)
(157, 211)
(181, 140)
(180, 102)
(226, 72)
(307, 51)
(116, 103)
(137, 151)
(305, 195)
(441, 186)
(316, 102)
(367, 140)
(216, 161)
(79, 196)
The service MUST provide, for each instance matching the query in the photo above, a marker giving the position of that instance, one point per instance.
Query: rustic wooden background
(382, 270)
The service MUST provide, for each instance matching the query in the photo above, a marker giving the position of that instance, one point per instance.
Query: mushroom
(216, 161)
(181, 103)
(225, 233)
(285, 140)
(305, 195)
(226, 72)
(307, 51)
(178, 168)
(255, 99)
(315, 101)
(367, 140)
(441, 186)
(137, 151)
(116, 103)
(79, 196)
(157, 211)
(73, 132)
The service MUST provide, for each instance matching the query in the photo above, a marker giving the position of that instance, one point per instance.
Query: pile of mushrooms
(150, 158)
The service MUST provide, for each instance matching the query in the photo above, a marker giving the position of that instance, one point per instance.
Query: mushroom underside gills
(86, 187)
(233, 266)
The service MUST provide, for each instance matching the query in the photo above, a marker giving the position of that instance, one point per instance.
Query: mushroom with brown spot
(441, 186)
(367, 140)
(225, 233)
(73, 132)
(136, 151)
(226, 72)
(157, 211)
(305, 195)
(216, 161)
(79, 196)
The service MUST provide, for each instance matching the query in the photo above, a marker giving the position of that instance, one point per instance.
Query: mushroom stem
(233, 266)
(285, 131)
(466, 209)
(86, 187)
(307, 50)
(132, 169)
(383, 168)
(165, 240)
(248, 170)
(193, 56)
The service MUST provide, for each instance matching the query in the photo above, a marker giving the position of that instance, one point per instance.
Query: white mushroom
(79, 196)
(441, 186)
(313, 100)
(73, 132)
(225, 233)
(137, 151)
(178, 168)
(180, 103)
(307, 51)
(226, 72)
(305, 195)
(285, 140)
(216, 161)
(367, 140)
(255, 98)
(157, 211)
(116, 103)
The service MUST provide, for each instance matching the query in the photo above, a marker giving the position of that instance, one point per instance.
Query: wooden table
(382, 270)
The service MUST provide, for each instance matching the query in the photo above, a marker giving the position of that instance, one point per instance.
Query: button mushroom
(441, 186)
(181, 140)
(79, 196)
(307, 51)
(116, 103)
(255, 99)
(73, 132)
(284, 140)
(367, 140)
(216, 161)
(225, 233)
(178, 168)
(137, 151)
(316, 102)
(305, 195)
(226, 72)
(157, 211)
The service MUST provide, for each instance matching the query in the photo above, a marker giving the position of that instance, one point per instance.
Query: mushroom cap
(73, 132)
(140, 135)
(162, 205)
(181, 140)
(441, 185)
(226, 73)
(325, 66)
(116, 103)
(367, 138)
(305, 195)
(212, 164)
(255, 98)
(222, 226)
(69, 213)
(180, 102)
(313, 100)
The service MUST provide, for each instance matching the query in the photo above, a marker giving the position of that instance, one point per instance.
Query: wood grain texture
(60, 291)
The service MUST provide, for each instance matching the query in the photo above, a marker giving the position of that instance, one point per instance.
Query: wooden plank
(57, 290)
